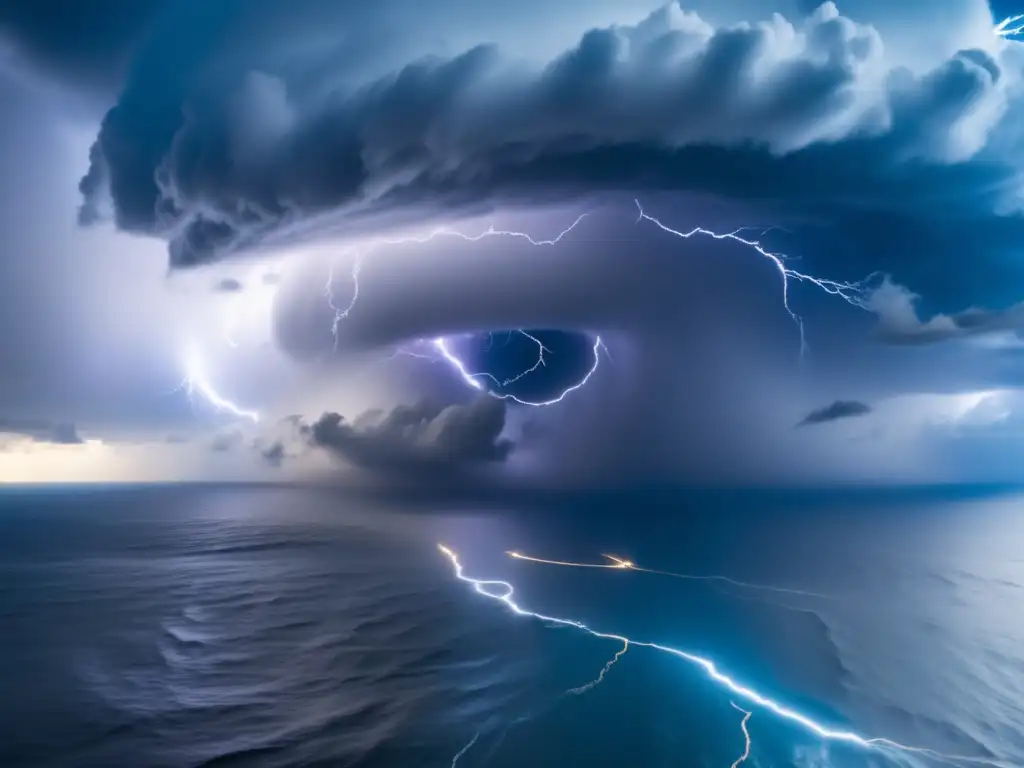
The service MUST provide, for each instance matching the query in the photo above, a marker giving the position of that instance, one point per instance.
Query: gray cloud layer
(417, 438)
(221, 169)
(42, 431)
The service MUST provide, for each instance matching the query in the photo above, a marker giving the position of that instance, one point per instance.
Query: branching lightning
(541, 349)
(615, 564)
(618, 564)
(472, 380)
(465, 749)
(489, 232)
(340, 313)
(851, 293)
(746, 735)
(196, 382)
(604, 671)
(441, 345)
(503, 592)
(1010, 27)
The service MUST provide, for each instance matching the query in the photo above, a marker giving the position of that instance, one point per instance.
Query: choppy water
(255, 627)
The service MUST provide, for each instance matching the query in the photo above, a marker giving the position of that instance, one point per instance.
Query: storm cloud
(87, 43)
(417, 438)
(305, 137)
(670, 103)
(59, 433)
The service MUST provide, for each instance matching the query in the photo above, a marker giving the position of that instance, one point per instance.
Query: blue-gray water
(258, 627)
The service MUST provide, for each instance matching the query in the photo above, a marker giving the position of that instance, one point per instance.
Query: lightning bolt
(1010, 27)
(489, 232)
(197, 382)
(472, 380)
(618, 564)
(503, 592)
(746, 735)
(851, 293)
(604, 671)
(465, 749)
(441, 345)
(541, 362)
(340, 313)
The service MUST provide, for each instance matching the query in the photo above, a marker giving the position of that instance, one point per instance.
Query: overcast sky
(269, 239)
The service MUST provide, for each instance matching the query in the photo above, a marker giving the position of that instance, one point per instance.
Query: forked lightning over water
(503, 592)
(465, 749)
(619, 564)
(746, 736)
(604, 671)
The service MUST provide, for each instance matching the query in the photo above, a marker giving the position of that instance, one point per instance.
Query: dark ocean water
(151, 627)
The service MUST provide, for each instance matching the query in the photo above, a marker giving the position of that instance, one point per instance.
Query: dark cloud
(421, 437)
(670, 104)
(228, 285)
(86, 43)
(288, 439)
(274, 454)
(840, 409)
(42, 431)
(219, 143)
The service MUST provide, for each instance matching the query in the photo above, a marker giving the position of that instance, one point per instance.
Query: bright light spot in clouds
(247, 313)
(198, 384)
(911, 416)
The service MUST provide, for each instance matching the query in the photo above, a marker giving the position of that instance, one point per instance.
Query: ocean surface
(216, 626)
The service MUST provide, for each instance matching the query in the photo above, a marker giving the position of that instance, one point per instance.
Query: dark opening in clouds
(528, 365)
(228, 285)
